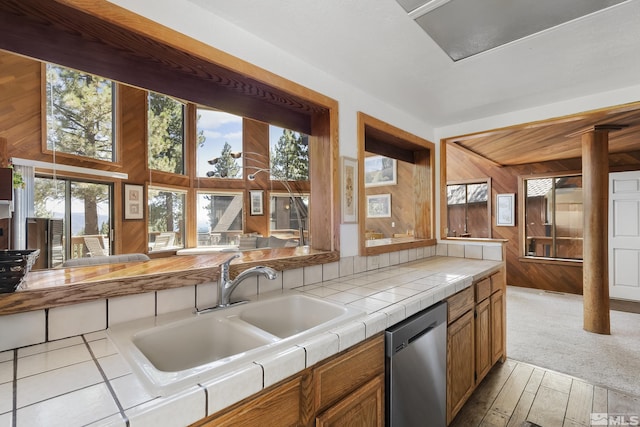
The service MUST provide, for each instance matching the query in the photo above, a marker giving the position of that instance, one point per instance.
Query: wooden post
(595, 184)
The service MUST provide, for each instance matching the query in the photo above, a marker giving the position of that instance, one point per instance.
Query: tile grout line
(107, 382)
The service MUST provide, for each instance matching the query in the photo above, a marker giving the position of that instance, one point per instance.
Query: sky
(220, 127)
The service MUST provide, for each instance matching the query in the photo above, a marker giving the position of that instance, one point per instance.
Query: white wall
(189, 19)
(200, 24)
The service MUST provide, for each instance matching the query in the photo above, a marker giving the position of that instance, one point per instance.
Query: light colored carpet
(545, 329)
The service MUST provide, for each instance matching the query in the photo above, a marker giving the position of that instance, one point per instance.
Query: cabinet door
(282, 405)
(460, 363)
(363, 407)
(497, 327)
(339, 377)
(484, 348)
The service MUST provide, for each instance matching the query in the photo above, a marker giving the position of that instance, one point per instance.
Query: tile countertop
(83, 380)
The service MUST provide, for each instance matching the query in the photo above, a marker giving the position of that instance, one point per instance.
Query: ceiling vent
(463, 28)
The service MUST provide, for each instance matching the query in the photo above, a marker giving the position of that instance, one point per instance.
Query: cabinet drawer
(347, 372)
(497, 281)
(459, 304)
(483, 289)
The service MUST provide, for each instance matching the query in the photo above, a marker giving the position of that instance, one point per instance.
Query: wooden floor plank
(514, 393)
(508, 397)
(535, 380)
(600, 400)
(548, 407)
(623, 404)
(494, 419)
(580, 403)
(556, 381)
(522, 409)
(480, 401)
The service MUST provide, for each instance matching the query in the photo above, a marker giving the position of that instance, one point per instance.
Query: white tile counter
(83, 380)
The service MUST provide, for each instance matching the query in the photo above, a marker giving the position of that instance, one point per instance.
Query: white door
(624, 235)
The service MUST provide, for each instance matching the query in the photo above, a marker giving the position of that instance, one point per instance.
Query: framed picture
(256, 197)
(380, 170)
(505, 209)
(133, 201)
(379, 206)
(349, 190)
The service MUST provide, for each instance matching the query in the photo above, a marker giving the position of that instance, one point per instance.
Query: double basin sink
(178, 350)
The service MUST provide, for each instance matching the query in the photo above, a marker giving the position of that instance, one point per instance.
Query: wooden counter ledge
(57, 287)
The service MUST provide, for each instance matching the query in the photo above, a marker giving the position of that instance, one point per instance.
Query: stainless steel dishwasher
(416, 367)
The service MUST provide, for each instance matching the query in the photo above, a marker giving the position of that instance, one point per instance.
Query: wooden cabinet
(460, 349)
(484, 348)
(498, 331)
(475, 337)
(284, 402)
(460, 363)
(347, 389)
(364, 407)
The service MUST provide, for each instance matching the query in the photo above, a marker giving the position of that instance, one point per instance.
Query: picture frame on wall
(133, 201)
(257, 202)
(505, 209)
(349, 190)
(379, 171)
(379, 206)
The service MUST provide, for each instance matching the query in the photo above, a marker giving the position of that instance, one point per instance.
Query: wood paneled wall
(21, 124)
(520, 272)
(402, 204)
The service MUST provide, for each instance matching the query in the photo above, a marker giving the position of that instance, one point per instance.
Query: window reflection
(554, 217)
(468, 210)
(166, 219)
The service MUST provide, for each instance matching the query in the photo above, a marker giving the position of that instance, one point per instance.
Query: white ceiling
(375, 46)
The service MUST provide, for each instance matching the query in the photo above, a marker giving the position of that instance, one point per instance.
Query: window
(289, 154)
(79, 113)
(289, 214)
(219, 142)
(553, 217)
(84, 207)
(468, 210)
(165, 123)
(166, 218)
(219, 218)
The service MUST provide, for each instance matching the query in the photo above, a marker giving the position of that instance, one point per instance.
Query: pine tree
(80, 122)
(290, 157)
(166, 134)
(227, 166)
(79, 113)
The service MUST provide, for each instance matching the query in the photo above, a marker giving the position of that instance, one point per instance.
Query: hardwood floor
(516, 394)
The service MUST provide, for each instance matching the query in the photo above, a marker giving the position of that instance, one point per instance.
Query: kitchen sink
(178, 350)
(195, 342)
(284, 317)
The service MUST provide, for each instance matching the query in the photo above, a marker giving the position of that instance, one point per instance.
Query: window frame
(185, 216)
(522, 227)
(116, 157)
(68, 182)
(218, 192)
(468, 182)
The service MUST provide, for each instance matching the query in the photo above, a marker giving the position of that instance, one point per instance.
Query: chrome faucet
(227, 286)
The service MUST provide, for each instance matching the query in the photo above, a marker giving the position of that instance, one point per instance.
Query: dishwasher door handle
(424, 331)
